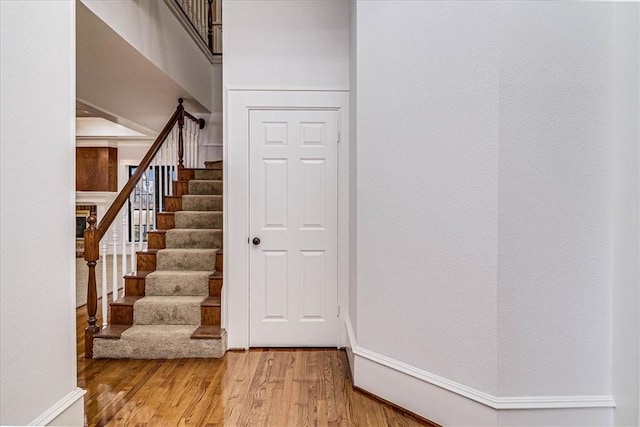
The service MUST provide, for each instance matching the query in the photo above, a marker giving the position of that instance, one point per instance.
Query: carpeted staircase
(172, 303)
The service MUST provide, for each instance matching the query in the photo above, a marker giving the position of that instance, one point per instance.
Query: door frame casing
(235, 298)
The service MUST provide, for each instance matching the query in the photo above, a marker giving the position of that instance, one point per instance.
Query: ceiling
(117, 83)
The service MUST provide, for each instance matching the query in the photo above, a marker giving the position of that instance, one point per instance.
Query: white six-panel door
(293, 211)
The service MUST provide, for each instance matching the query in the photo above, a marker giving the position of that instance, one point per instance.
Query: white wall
(281, 44)
(353, 165)
(485, 143)
(284, 54)
(427, 124)
(556, 128)
(626, 277)
(37, 242)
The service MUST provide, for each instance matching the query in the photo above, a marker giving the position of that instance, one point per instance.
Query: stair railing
(175, 148)
(205, 16)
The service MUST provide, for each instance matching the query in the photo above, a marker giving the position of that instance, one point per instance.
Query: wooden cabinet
(96, 169)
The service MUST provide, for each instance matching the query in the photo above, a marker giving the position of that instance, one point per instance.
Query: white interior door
(293, 211)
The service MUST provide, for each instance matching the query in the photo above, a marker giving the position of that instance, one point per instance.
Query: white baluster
(104, 283)
(165, 162)
(124, 245)
(152, 195)
(187, 143)
(159, 178)
(139, 185)
(131, 233)
(114, 278)
(197, 156)
(170, 159)
(146, 224)
(194, 126)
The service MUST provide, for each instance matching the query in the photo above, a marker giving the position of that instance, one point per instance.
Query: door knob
(256, 241)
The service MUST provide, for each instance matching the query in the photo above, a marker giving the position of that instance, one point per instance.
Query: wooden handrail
(195, 119)
(123, 196)
(93, 234)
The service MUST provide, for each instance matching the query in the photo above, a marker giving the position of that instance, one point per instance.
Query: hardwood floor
(260, 387)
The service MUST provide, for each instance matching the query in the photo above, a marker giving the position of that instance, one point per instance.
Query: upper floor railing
(205, 16)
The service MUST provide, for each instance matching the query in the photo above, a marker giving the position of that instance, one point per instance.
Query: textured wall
(485, 142)
(554, 259)
(281, 44)
(37, 240)
(428, 186)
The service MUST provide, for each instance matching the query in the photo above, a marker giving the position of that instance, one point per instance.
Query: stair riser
(198, 220)
(159, 314)
(216, 164)
(184, 262)
(208, 174)
(202, 203)
(208, 188)
(202, 239)
(177, 286)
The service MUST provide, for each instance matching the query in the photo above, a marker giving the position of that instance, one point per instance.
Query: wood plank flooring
(260, 387)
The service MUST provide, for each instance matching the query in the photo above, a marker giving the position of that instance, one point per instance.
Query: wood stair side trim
(208, 332)
(134, 283)
(121, 310)
(156, 239)
(112, 332)
(186, 174)
(215, 284)
(172, 203)
(146, 260)
(210, 311)
(166, 220)
(219, 260)
(180, 188)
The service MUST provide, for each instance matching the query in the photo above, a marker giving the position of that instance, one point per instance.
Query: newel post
(180, 137)
(91, 255)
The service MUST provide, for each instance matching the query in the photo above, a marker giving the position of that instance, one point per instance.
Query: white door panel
(293, 203)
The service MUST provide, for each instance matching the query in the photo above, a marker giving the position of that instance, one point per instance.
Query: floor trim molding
(56, 410)
(494, 402)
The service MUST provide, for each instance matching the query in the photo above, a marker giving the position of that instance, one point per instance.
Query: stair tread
(181, 273)
(211, 302)
(137, 274)
(170, 300)
(185, 250)
(112, 332)
(208, 332)
(148, 251)
(126, 300)
(160, 342)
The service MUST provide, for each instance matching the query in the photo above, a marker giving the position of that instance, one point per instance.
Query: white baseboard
(57, 412)
(450, 403)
